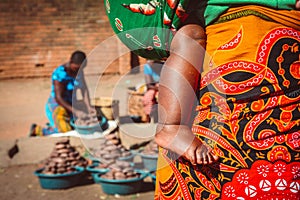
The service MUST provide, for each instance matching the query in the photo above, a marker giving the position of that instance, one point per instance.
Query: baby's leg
(177, 94)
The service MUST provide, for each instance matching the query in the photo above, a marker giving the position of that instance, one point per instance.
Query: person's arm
(86, 96)
(178, 83)
(59, 88)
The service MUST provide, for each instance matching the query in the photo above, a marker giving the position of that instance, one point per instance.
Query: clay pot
(63, 159)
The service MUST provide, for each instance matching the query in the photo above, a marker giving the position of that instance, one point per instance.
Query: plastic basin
(153, 177)
(94, 171)
(59, 181)
(86, 130)
(95, 161)
(122, 187)
(130, 158)
(149, 161)
(127, 158)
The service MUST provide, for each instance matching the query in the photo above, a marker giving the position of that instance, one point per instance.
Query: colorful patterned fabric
(248, 112)
(147, 26)
(215, 8)
(62, 119)
(60, 75)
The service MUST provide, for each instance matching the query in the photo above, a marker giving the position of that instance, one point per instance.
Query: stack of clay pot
(120, 170)
(63, 159)
(87, 120)
(110, 150)
(151, 148)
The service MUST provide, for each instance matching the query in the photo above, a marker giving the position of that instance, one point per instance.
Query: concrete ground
(22, 104)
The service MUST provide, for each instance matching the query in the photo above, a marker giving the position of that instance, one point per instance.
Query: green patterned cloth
(147, 27)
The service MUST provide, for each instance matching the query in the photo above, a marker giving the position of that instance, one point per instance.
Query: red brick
(48, 32)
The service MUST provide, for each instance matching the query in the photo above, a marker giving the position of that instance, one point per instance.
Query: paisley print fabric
(147, 26)
(248, 112)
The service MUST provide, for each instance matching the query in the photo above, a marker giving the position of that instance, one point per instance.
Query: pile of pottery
(87, 120)
(63, 159)
(120, 170)
(111, 149)
(151, 148)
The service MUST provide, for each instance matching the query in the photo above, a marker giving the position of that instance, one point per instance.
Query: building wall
(38, 35)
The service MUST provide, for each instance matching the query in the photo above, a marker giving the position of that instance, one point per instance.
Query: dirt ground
(22, 104)
(23, 101)
(19, 183)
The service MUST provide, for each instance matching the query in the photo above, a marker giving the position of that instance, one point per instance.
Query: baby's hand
(297, 5)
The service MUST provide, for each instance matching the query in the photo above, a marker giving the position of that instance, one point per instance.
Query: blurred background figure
(67, 79)
(152, 71)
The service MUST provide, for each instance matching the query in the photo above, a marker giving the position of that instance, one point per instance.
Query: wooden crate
(135, 104)
(106, 106)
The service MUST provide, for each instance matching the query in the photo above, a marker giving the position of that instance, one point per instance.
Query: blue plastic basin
(149, 161)
(94, 171)
(122, 187)
(59, 181)
(127, 158)
(86, 130)
(153, 178)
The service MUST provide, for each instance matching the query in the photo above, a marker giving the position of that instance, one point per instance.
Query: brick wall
(38, 35)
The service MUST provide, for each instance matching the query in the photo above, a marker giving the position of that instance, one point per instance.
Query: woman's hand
(79, 114)
(181, 140)
(92, 111)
